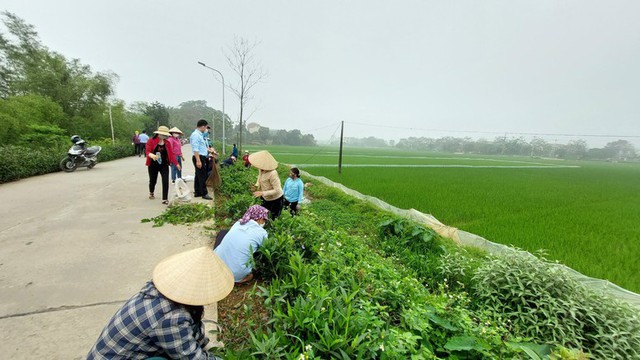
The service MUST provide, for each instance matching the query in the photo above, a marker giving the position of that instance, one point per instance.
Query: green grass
(585, 217)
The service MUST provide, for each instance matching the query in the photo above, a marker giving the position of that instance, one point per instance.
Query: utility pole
(113, 137)
(340, 156)
(214, 115)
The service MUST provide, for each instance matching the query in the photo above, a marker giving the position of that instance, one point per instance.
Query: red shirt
(151, 144)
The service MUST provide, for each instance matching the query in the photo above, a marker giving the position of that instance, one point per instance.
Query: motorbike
(79, 155)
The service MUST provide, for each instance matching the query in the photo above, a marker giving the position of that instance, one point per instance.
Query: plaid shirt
(150, 325)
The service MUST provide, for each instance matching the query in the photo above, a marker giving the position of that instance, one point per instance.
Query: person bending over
(164, 319)
(242, 240)
(267, 186)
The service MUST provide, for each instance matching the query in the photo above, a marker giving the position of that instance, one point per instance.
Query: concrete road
(73, 250)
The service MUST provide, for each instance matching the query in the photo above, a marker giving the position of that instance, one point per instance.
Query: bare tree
(249, 71)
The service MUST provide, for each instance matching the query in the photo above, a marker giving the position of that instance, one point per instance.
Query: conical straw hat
(194, 277)
(263, 160)
(175, 130)
(162, 130)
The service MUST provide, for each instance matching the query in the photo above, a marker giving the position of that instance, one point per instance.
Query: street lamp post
(223, 113)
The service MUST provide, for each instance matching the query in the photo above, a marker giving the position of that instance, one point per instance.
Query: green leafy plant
(183, 214)
(237, 205)
(541, 301)
(236, 180)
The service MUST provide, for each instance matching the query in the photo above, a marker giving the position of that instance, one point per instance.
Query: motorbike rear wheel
(68, 165)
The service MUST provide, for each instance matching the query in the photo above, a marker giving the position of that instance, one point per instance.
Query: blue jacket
(293, 190)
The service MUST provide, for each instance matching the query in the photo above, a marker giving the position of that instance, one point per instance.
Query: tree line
(45, 97)
(619, 150)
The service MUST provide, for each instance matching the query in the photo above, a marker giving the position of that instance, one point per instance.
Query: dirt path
(73, 249)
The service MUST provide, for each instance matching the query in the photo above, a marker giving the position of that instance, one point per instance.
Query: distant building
(253, 128)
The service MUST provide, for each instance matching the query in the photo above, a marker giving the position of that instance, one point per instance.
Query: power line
(320, 128)
(324, 147)
(497, 132)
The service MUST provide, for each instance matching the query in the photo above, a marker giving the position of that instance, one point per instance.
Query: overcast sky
(552, 67)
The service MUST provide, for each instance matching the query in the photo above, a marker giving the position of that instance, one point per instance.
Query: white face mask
(262, 225)
(176, 135)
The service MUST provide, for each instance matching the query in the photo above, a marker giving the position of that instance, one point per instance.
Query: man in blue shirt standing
(143, 138)
(200, 158)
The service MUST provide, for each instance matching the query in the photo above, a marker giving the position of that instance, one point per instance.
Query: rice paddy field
(583, 214)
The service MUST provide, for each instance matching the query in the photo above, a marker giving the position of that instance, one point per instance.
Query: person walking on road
(135, 141)
(164, 319)
(268, 186)
(293, 191)
(177, 150)
(160, 154)
(143, 138)
(200, 160)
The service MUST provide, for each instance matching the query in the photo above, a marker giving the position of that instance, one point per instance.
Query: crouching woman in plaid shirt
(164, 319)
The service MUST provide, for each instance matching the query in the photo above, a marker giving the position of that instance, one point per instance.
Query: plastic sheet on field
(469, 239)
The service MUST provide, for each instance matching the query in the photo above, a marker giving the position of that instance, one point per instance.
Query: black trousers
(293, 207)
(154, 168)
(200, 181)
(274, 206)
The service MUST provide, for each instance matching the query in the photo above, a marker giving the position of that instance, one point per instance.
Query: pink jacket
(177, 145)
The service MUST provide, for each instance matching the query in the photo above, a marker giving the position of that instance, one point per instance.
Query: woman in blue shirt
(243, 239)
(293, 191)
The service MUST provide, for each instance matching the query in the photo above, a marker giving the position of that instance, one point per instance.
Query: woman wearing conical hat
(177, 151)
(268, 186)
(160, 154)
(164, 319)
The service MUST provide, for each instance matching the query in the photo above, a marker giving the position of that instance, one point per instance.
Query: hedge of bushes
(19, 162)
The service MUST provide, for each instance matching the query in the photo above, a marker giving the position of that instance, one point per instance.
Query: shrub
(112, 151)
(20, 162)
(541, 300)
(236, 180)
(236, 206)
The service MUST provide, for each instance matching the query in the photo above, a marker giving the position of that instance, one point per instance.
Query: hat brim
(263, 160)
(162, 133)
(194, 277)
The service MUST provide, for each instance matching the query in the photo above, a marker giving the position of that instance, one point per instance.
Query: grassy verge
(345, 280)
(584, 217)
